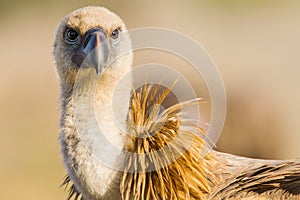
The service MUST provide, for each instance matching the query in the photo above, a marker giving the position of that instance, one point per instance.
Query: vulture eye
(116, 36)
(71, 36)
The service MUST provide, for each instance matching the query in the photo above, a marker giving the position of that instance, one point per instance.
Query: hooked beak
(94, 49)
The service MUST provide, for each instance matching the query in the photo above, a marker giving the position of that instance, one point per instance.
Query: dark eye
(116, 36)
(71, 36)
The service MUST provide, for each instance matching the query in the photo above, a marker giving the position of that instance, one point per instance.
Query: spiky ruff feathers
(166, 160)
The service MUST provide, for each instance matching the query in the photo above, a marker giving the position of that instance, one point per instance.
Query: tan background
(256, 45)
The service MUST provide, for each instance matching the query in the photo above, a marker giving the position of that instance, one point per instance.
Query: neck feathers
(88, 131)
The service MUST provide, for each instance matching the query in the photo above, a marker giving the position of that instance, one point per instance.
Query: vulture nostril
(86, 41)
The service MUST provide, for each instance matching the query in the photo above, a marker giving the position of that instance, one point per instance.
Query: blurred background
(255, 44)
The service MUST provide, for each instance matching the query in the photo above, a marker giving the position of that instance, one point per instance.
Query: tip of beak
(98, 70)
(96, 59)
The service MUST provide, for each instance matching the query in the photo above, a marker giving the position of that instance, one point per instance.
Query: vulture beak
(94, 50)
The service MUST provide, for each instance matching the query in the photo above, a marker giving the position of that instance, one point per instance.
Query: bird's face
(92, 39)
